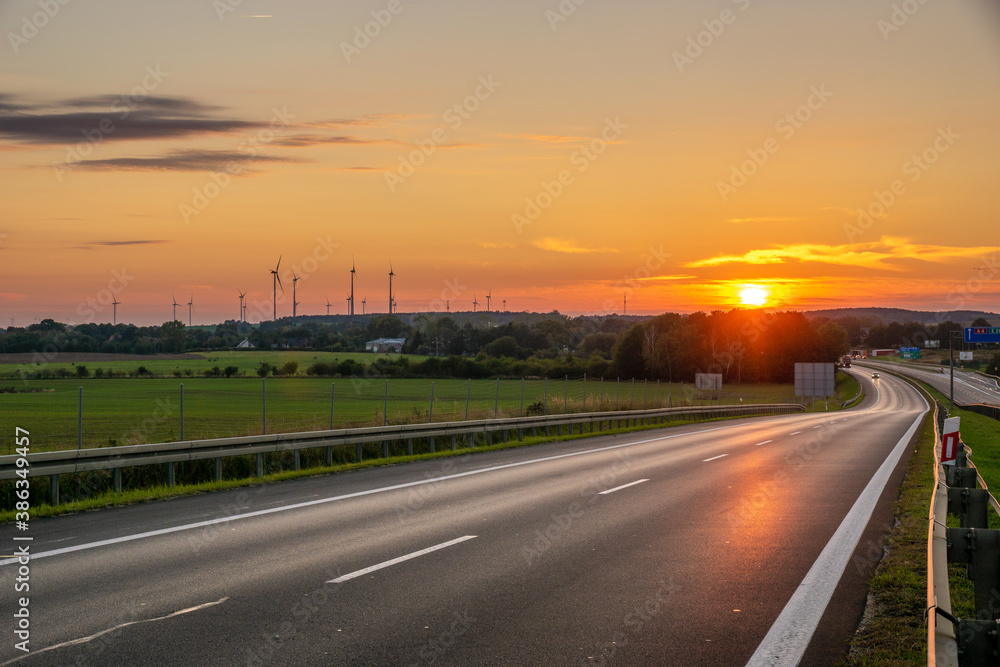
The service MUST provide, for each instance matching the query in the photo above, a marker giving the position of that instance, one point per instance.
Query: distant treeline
(743, 346)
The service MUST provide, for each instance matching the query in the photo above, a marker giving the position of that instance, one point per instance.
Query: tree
(172, 334)
(506, 346)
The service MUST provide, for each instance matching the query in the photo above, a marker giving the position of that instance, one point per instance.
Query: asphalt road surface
(728, 543)
(969, 387)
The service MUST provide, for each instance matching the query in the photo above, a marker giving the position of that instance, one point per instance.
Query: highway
(970, 387)
(726, 543)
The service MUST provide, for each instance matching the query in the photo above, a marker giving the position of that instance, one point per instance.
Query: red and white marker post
(949, 441)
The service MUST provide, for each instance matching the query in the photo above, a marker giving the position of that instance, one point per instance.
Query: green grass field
(246, 360)
(136, 411)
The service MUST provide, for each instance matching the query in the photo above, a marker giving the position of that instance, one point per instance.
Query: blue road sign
(982, 334)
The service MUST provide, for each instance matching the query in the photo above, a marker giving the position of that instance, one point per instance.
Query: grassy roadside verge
(894, 634)
(132, 496)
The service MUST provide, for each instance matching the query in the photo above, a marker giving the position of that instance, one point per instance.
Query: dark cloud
(112, 118)
(118, 243)
(305, 140)
(188, 160)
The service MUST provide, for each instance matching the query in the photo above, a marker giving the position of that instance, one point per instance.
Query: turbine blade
(279, 263)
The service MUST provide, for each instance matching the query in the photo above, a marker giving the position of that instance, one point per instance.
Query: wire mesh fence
(67, 414)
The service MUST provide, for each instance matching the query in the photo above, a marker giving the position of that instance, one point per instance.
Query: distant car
(874, 376)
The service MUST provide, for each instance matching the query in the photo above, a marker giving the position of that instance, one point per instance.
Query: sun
(753, 295)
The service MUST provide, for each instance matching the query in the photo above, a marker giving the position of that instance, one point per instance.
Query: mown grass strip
(894, 633)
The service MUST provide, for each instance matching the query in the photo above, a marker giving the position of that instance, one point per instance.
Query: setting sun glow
(753, 295)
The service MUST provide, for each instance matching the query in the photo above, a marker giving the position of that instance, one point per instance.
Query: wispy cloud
(886, 253)
(131, 242)
(306, 140)
(183, 160)
(568, 247)
(740, 221)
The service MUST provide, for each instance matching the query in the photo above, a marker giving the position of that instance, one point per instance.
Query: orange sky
(562, 164)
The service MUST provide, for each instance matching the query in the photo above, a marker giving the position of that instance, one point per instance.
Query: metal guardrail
(62, 462)
(945, 648)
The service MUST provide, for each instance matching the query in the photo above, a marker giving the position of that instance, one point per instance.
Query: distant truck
(882, 353)
(846, 361)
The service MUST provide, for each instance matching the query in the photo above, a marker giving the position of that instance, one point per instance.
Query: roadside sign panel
(982, 334)
(814, 379)
(909, 352)
(965, 356)
(708, 381)
(949, 441)
(932, 344)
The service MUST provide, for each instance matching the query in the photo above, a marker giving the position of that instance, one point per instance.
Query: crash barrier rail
(851, 400)
(960, 490)
(58, 463)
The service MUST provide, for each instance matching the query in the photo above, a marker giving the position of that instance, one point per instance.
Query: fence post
(657, 394)
(496, 401)
(566, 395)
(618, 387)
(545, 403)
(182, 412)
(79, 424)
(584, 394)
(263, 398)
(644, 383)
(520, 431)
(468, 393)
(385, 419)
(333, 393)
(430, 420)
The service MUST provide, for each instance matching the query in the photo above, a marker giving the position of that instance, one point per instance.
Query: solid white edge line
(713, 458)
(763, 443)
(84, 640)
(401, 559)
(788, 638)
(623, 486)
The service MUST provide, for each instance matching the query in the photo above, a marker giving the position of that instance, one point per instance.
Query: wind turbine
(391, 274)
(242, 307)
(489, 295)
(475, 302)
(114, 305)
(295, 304)
(363, 302)
(624, 304)
(190, 309)
(276, 283)
(174, 299)
(348, 303)
(328, 304)
(505, 305)
(447, 306)
(354, 271)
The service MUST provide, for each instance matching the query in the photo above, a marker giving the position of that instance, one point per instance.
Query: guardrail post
(260, 464)
(980, 550)
(297, 458)
(960, 477)
(977, 641)
(409, 447)
(116, 479)
(357, 452)
(329, 456)
(170, 474)
(182, 412)
(970, 505)
(218, 469)
(54, 490)
(454, 443)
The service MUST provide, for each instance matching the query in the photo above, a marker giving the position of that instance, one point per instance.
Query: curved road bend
(969, 387)
(680, 546)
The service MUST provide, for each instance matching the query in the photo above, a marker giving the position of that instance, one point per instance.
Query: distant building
(246, 344)
(385, 345)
